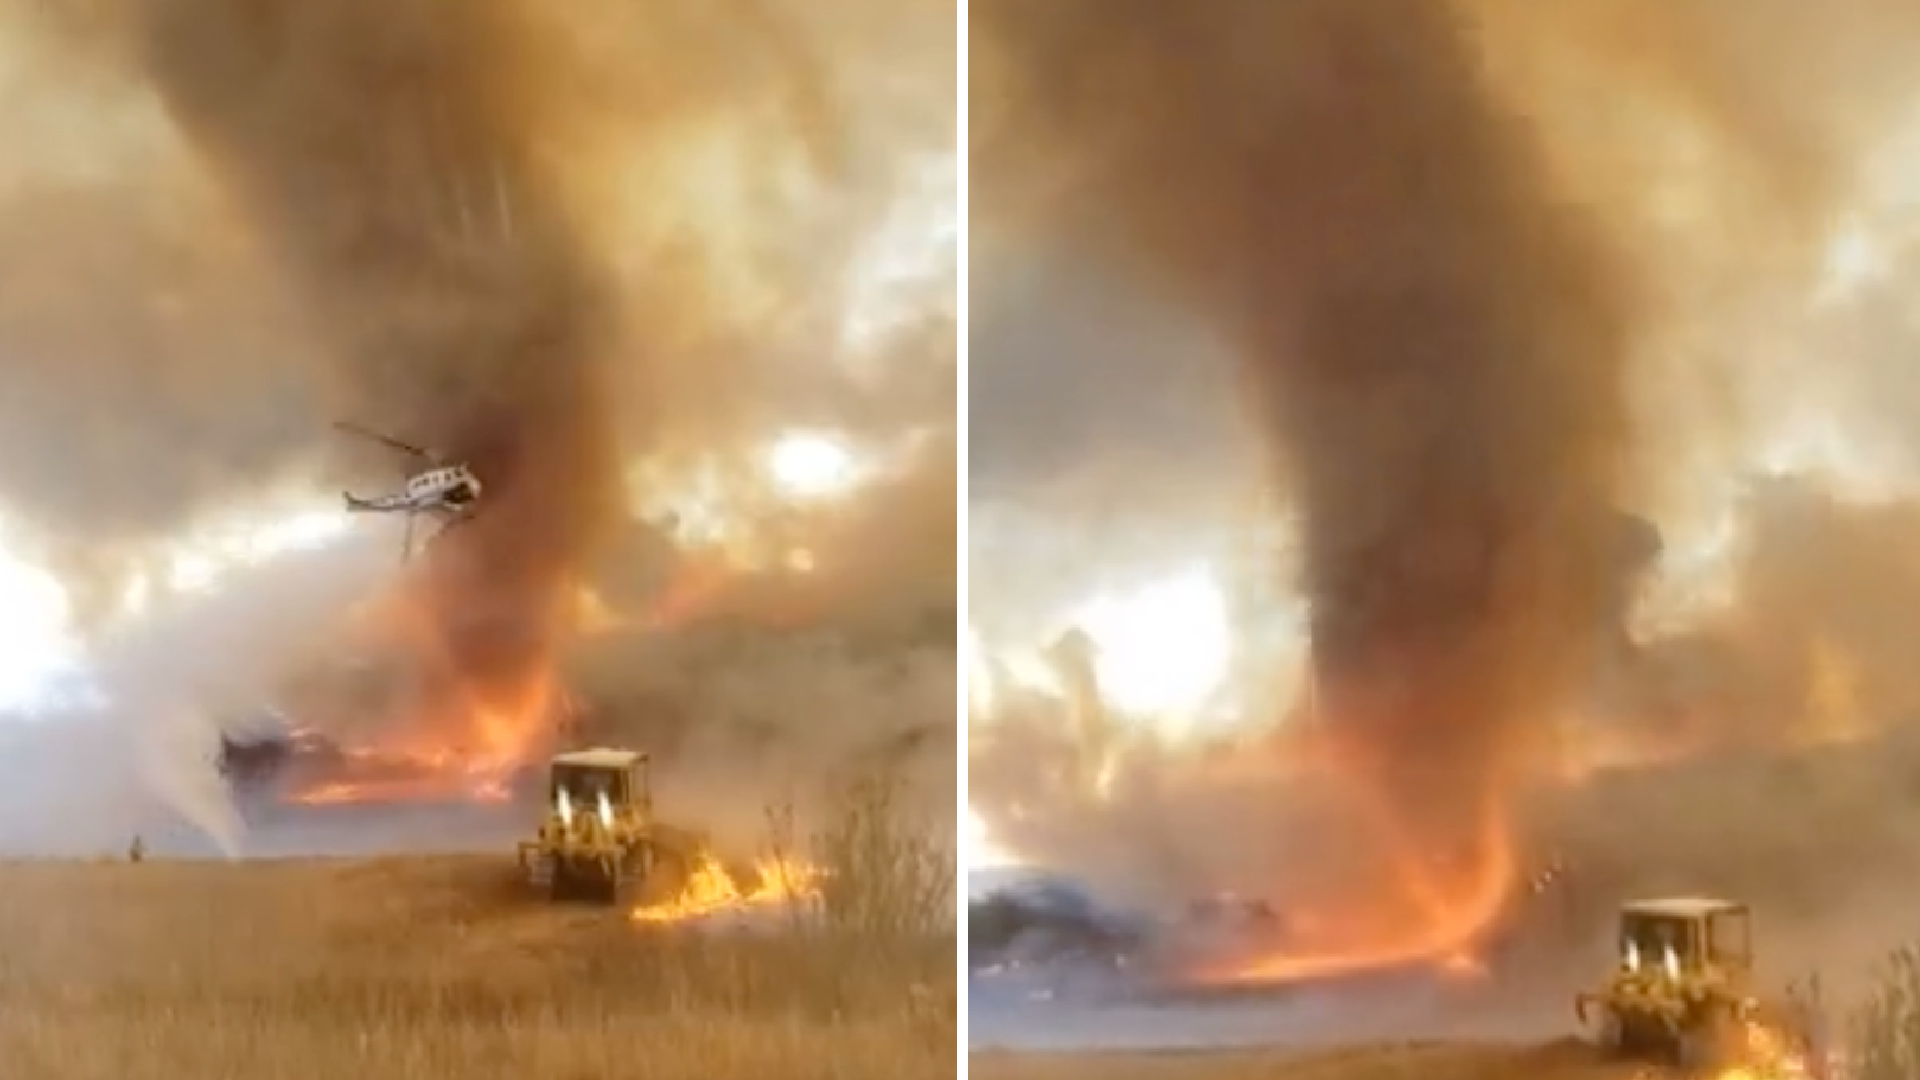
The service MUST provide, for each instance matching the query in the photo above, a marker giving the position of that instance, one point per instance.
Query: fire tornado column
(1432, 341)
(388, 153)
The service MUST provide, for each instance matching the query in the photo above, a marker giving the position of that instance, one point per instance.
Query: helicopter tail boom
(356, 504)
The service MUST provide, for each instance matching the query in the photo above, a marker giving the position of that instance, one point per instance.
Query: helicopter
(446, 490)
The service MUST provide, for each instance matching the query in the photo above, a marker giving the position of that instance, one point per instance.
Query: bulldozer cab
(585, 777)
(1686, 940)
(597, 839)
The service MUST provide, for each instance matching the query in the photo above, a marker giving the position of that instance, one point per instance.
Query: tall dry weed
(1884, 1034)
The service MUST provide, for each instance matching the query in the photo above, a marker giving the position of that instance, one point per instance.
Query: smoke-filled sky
(465, 223)
(1389, 304)
(608, 253)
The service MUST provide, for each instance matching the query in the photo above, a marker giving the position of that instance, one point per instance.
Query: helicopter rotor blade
(386, 440)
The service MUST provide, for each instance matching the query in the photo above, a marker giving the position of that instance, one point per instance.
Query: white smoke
(168, 679)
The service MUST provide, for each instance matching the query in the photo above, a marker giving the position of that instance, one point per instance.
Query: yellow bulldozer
(1681, 991)
(599, 840)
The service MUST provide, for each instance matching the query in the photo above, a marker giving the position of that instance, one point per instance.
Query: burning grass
(444, 967)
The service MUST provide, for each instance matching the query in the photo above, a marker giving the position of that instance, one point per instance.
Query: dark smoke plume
(389, 156)
(1434, 343)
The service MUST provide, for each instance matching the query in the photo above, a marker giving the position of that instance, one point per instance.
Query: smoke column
(388, 153)
(1433, 343)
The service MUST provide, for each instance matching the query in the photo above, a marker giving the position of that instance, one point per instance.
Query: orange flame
(461, 742)
(349, 792)
(1431, 914)
(709, 890)
(465, 741)
(1765, 1053)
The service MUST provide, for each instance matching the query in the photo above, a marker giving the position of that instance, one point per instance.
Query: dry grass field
(1879, 1041)
(1559, 1061)
(443, 967)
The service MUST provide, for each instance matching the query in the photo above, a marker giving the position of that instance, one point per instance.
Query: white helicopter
(448, 491)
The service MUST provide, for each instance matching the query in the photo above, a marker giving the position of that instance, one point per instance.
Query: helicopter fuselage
(446, 487)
